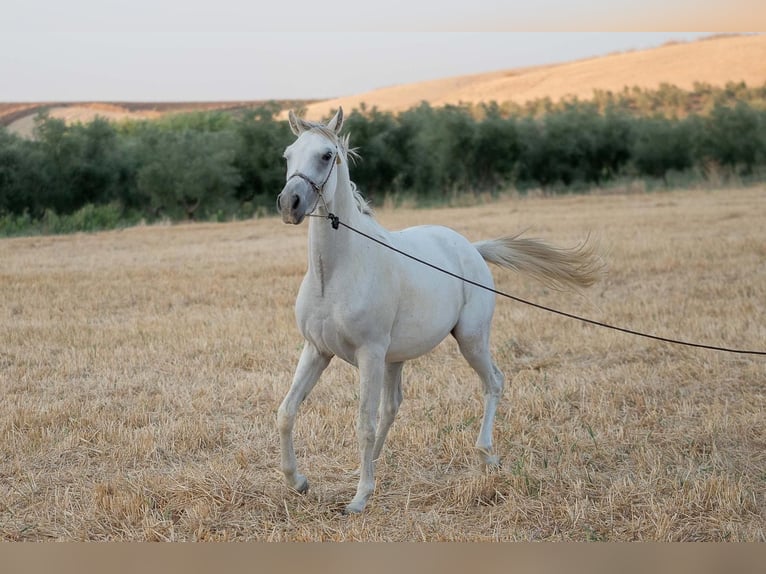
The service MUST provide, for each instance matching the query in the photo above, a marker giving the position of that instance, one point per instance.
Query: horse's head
(311, 166)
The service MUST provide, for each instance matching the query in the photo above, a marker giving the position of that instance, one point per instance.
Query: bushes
(660, 146)
(735, 137)
(257, 142)
(23, 181)
(218, 165)
(88, 218)
(187, 173)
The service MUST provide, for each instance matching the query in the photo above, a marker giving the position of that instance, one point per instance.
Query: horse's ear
(296, 124)
(336, 123)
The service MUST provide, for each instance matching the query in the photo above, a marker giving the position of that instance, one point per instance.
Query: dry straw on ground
(141, 371)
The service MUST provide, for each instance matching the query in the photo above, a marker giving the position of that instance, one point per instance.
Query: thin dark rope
(336, 222)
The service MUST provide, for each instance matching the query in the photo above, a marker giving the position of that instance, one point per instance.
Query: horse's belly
(404, 348)
(418, 331)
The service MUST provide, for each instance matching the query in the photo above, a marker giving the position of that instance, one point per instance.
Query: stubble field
(141, 370)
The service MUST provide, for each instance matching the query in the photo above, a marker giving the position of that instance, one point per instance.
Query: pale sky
(171, 50)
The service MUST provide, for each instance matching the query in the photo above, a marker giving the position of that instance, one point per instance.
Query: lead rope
(336, 222)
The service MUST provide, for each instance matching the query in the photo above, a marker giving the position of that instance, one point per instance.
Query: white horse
(376, 309)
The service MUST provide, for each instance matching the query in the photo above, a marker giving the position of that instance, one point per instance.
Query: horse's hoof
(302, 485)
(492, 463)
(352, 509)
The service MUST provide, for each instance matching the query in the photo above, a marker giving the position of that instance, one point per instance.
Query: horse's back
(445, 248)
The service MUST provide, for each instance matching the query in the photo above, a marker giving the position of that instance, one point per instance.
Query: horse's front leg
(310, 366)
(371, 371)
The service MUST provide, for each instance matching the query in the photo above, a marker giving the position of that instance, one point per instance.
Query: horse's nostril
(296, 202)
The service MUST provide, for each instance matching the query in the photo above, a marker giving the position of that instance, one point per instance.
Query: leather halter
(318, 189)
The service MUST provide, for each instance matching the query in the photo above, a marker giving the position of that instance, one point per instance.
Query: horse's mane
(362, 204)
(349, 154)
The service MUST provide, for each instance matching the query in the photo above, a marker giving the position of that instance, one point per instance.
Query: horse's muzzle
(291, 204)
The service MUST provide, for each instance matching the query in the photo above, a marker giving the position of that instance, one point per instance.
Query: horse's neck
(331, 250)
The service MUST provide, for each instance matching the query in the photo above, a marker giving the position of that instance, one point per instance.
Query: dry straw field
(141, 371)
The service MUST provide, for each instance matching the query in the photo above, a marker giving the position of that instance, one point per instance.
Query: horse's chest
(329, 336)
(333, 327)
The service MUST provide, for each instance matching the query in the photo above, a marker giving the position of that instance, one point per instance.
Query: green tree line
(219, 165)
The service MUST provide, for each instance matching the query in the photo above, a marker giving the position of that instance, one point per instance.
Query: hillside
(715, 61)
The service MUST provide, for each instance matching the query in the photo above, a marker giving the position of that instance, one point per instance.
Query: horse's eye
(327, 156)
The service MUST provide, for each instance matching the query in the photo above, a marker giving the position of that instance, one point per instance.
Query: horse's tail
(557, 267)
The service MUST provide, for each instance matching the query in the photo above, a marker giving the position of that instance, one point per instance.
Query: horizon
(210, 72)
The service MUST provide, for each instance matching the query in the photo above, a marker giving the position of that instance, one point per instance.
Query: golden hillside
(716, 61)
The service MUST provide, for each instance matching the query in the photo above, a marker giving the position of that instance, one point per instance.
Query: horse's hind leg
(474, 345)
(310, 366)
(389, 405)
